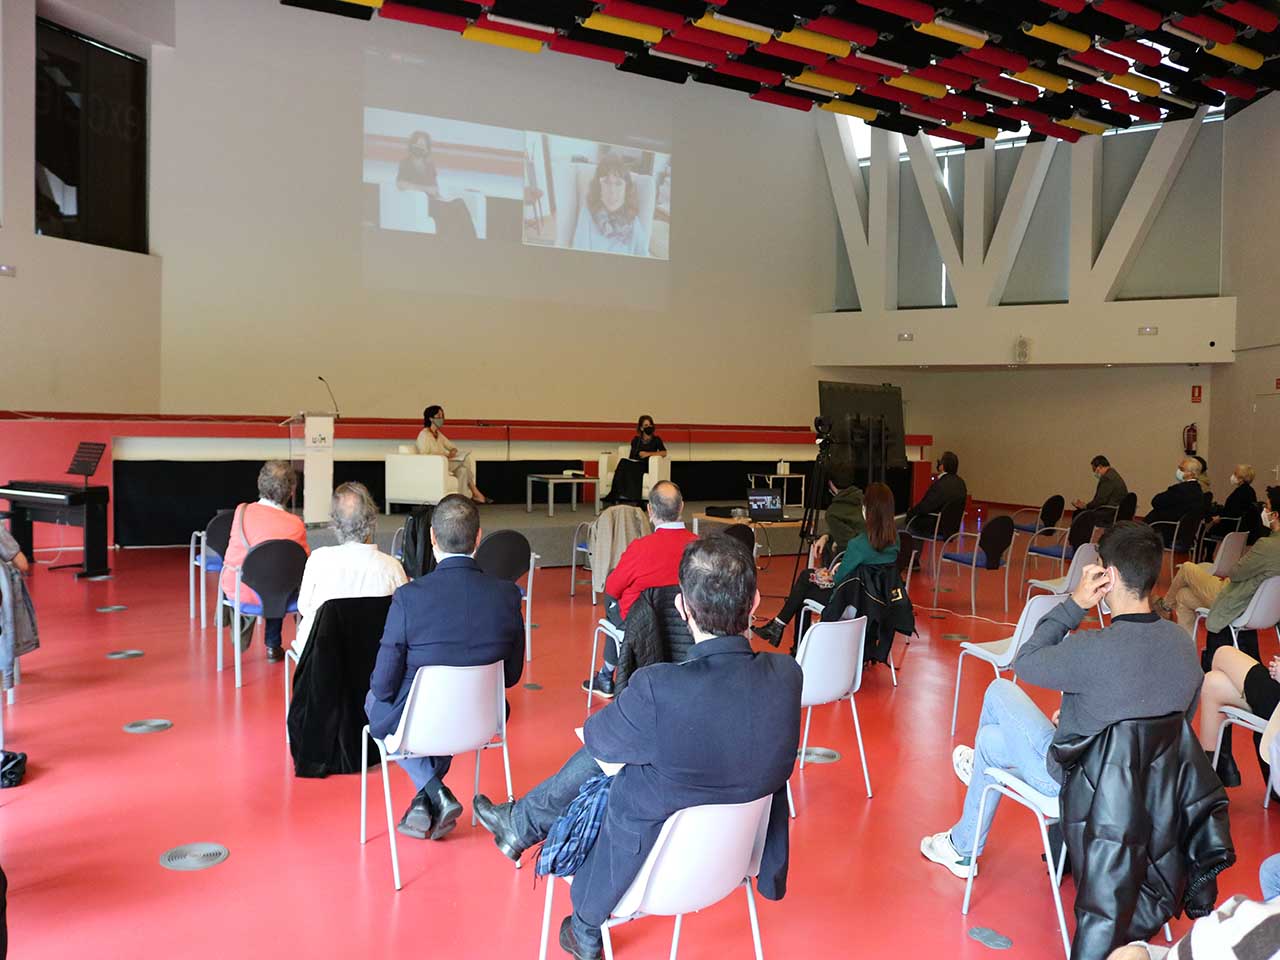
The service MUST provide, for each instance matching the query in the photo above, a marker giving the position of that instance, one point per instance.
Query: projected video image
(596, 196)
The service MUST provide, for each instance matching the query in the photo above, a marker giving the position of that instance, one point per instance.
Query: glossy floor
(82, 835)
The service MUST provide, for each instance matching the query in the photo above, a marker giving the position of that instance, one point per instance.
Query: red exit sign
(1196, 393)
(1278, 383)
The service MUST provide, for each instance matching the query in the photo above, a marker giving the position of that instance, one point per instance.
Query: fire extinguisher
(1189, 437)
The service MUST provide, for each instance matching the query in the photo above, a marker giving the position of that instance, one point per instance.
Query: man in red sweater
(652, 561)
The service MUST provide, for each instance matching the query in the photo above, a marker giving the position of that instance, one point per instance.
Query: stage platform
(552, 537)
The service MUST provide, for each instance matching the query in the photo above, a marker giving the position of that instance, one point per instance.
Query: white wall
(81, 323)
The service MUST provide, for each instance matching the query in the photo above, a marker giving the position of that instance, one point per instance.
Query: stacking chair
(450, 710)
(1068, 540)
(1127, 509)
(701, 856)
(1207, 539)
(1237, 717)
(581, 548)
(989, 551)
(213, 540)
(1046, 519)
(611, 634)
(1086, 554)
(1184, 535)
(830, 655)
(1262, 613)
(946, 522)
(1230, 549)
(272, 570)
(907, 551)
(506, 554)
(1000, 654)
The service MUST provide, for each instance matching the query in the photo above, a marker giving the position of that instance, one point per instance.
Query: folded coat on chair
(653, 633)
(875, 591)
(611, 534)
(326, 715)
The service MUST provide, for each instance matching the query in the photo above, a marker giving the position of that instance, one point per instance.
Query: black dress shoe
(444, 809)
(496, 818)
(1227, 770)
(417, 820)
(275, 654)
(602, 685)
(771, 632)
(569, 943)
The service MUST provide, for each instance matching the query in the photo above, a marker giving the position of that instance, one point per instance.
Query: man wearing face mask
(1111, 487)
(946, 490)
(1183, 496)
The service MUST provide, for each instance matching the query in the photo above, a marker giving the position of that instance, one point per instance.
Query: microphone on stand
(332, 399)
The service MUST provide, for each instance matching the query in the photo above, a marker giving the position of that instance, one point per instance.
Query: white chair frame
(611, 633)
(812, 608)
(526, 598)
(1236, 717)
(1255, 615)
(1006, 562)
(579, 532)
(1085, 554)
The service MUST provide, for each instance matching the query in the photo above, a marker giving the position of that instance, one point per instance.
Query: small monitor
(764, 504)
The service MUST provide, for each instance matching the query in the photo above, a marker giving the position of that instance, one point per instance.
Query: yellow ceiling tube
(1084, 126)
(1148, 88)
(1235, 53)
(973, 39)
(1042, 78)
(376, 4)
(974, 129)
(818, 42)
(811, 79)
(850, 109)
(1060, 35)
(711, 22)
(499, 39)
(927, 88)
(623, 28)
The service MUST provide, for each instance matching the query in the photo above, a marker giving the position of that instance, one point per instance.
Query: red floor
(83, 833)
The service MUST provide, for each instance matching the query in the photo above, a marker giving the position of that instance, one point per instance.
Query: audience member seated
(845, 517)
(1140, 666)
(650, 561)
(455, 616)
(1240, 511)
(353, 568)
(876, 543)
(461, 465)
(723, 727)
(628, 478)
(1239, 929)
(256, 523)
(1194, 585)
(945, 491)
(18, 633)
(1182, 497)
(1239, 680)
(1203, 477)
(1111, 487)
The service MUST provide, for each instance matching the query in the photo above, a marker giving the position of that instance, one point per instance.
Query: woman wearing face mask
(418, 172)
(609, 221)
(1241, 505)
(461, 465)
(628, 479)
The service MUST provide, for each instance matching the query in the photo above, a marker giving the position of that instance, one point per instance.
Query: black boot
(417, 820)
(771, 632)
(444, 808)
(574, 945)
(1226, 769)
(601, 684)
(497, 819)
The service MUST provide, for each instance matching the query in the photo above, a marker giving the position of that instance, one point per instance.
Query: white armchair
(659, 469)
(416, 479)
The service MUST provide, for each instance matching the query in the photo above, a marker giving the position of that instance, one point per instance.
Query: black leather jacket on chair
(1145, 819)
(654, 633)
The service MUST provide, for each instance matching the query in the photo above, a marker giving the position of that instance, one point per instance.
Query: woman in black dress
(1242, 502)
(418, 172)
(628, 479)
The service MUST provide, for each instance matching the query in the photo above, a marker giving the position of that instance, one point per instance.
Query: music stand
(86, 460)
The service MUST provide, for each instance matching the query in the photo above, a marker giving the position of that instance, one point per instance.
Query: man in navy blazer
(455, 616)
(721, 727)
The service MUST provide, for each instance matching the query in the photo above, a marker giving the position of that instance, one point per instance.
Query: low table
(770, 478)
(728, 521)
(551, 479)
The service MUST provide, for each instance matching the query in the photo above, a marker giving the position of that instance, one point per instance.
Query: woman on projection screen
(609, 221)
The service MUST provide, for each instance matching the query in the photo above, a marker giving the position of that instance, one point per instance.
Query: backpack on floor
(418, 559)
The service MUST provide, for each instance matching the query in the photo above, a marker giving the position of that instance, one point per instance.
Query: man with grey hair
(455, 616)
(1180, 499)
(353, 568)
(652, 561)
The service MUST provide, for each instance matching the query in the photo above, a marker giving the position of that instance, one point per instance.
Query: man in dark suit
(1181, 498)
(722, 727)
(456, 616)
(946, 490)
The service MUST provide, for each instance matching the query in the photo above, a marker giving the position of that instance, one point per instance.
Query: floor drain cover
(533, 686)
(123, 654)
(955, 636)
(147, 726)
(820, 755)
(937, 616)
(989, 938)
(114, 608)
(194, 856)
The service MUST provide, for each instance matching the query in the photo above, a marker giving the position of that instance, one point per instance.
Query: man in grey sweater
(1139, 666)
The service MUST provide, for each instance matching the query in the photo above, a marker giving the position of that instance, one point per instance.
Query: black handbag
(13, 767)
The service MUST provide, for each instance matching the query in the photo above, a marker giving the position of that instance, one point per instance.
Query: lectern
(311, 439)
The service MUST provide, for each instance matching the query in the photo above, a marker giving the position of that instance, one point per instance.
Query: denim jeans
(1013, 735)
(1269, 877)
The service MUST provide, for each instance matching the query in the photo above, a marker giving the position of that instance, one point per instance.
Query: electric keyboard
(68, 504)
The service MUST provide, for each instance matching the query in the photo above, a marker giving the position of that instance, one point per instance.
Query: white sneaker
(940, 849)
(962, 763)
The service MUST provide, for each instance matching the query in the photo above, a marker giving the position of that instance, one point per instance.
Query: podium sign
(316, 436)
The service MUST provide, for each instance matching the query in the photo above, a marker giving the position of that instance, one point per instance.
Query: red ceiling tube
(1105, 62)
(1051, 129)
(951, 78)
(853, 32)
(1146, 112)
(690, 51)
(1012, 88)
(1004, 59)
(744, 71)
(974, 108)
(589, 50)
(872, 66)
(1134, 50)
(1251, 15)
(1103, 91)
(1232, 87)
(849, 74)
(1071, 6)
(1025, 114)
(893, 93)
(783, 100)
(639, 13)
(1208, 27)
(974, 68)
(1131, 12)
(789, 51)
(425, 18)
(945, 133)
(709, 38)
(909, 9)
(931, 108)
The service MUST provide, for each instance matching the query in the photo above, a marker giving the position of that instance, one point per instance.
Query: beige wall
(80, 323)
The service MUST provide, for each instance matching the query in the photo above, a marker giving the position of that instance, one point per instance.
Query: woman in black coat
(1241, 502)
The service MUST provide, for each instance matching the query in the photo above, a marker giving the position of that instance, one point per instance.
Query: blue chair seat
(584, 547)
(1057, 551)
(212, 564)
(967, 558)
(255, 609)
(1026, 527)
